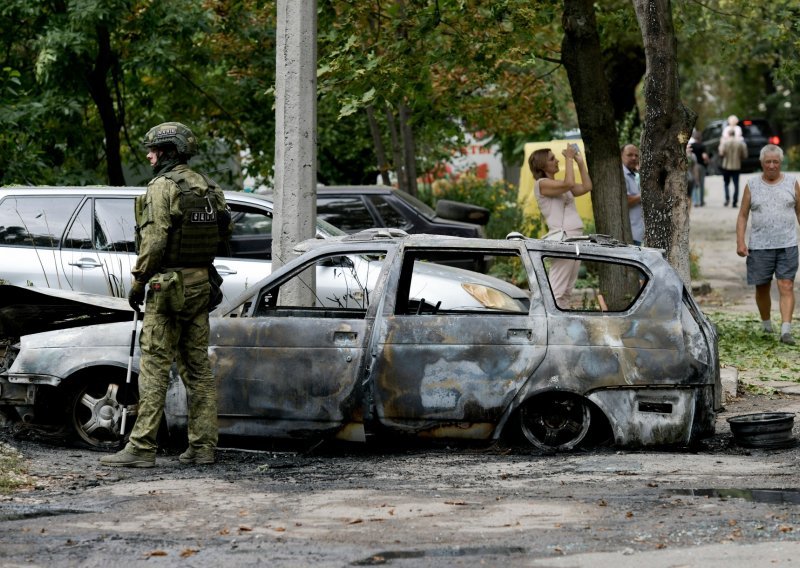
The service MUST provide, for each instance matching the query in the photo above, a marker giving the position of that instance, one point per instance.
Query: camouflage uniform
(168, 332)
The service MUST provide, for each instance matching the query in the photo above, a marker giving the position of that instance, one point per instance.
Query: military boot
(124, 458)
(196, 456)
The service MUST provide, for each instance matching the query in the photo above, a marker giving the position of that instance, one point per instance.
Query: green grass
(13, 474)
(758, 356)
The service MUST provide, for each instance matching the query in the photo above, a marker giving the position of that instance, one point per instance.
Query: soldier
(181, 221)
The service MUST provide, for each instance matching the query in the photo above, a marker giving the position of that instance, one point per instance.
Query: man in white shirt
(773, 198)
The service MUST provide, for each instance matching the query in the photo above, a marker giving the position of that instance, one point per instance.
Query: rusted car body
(631, 360)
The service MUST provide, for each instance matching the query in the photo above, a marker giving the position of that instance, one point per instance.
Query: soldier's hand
(136, 295)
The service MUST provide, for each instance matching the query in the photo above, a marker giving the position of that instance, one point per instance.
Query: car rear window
(35, 221)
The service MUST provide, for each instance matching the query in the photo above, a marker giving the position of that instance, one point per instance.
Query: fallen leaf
(244, 528)
(652, 484)
(661, 545)
(629, 514)
(732, 523)
(224, 531)
(156, 553)
(355, 521)
(558, 525)
(455, 502)
(558, 550)
(602, 503)
(279, 529)
(187, 552)
(785, 528)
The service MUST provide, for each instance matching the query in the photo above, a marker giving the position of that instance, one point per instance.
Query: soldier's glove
(136, 295)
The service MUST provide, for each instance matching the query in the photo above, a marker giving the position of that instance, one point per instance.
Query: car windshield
(329, 230)
(423, 207)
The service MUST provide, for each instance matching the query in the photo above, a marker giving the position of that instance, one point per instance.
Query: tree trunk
(667, 127)
(582, 58)
(97, 80)
(581, 55)
(409, 150)
(380, 152)
(397, 150)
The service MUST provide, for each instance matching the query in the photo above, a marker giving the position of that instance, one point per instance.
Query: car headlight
(491, 298)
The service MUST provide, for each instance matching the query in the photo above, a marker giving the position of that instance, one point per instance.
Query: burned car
(628, 359)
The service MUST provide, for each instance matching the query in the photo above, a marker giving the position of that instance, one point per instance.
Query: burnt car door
(450, 355)
(290, 368)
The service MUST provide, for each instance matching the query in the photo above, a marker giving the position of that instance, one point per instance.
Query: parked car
(358, 207)
(82, 239)
(757, 133)
(629, 359)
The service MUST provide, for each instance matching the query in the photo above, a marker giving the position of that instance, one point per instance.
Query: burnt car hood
(25, 310)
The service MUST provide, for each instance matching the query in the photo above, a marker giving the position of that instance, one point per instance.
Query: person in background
(733, 122)
(556, 199)
(699, 168)
(732, 150)
(630, 170)
(773, 198)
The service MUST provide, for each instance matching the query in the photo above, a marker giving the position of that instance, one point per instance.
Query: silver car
(396, 349)
(82, 239)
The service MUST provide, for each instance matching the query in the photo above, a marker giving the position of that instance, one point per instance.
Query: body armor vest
(194, 238)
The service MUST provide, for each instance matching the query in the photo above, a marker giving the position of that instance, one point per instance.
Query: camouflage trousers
(165, 337)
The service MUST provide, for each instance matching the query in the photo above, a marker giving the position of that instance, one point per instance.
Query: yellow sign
(526, 181)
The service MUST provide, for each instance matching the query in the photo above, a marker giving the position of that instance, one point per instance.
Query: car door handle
(86, 263)
(519, 334)
(224, 270)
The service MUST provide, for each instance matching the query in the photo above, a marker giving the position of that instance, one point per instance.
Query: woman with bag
(556, 199)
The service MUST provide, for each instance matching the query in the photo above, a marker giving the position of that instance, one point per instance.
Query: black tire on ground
(466, 212)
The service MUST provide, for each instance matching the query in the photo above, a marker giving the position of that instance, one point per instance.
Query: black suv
(354, 208)
(757, 133)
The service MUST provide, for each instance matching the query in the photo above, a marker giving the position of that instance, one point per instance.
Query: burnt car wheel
(96, 412)
(555, 421)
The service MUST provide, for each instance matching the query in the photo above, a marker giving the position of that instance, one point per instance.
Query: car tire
(555, 421)
(466, 212)
(95, 411)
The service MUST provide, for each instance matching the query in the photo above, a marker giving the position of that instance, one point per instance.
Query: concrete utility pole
(295, 128)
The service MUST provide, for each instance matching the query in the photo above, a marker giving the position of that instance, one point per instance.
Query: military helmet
(172, 133)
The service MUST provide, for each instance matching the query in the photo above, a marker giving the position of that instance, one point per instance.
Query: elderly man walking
(774, 201)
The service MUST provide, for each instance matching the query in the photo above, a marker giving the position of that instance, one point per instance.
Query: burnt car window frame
(261, 302)
(584, 257)
(404, 305)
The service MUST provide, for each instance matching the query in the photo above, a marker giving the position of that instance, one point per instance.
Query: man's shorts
(763, 263)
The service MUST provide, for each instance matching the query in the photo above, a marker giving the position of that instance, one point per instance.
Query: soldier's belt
(192, 276)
